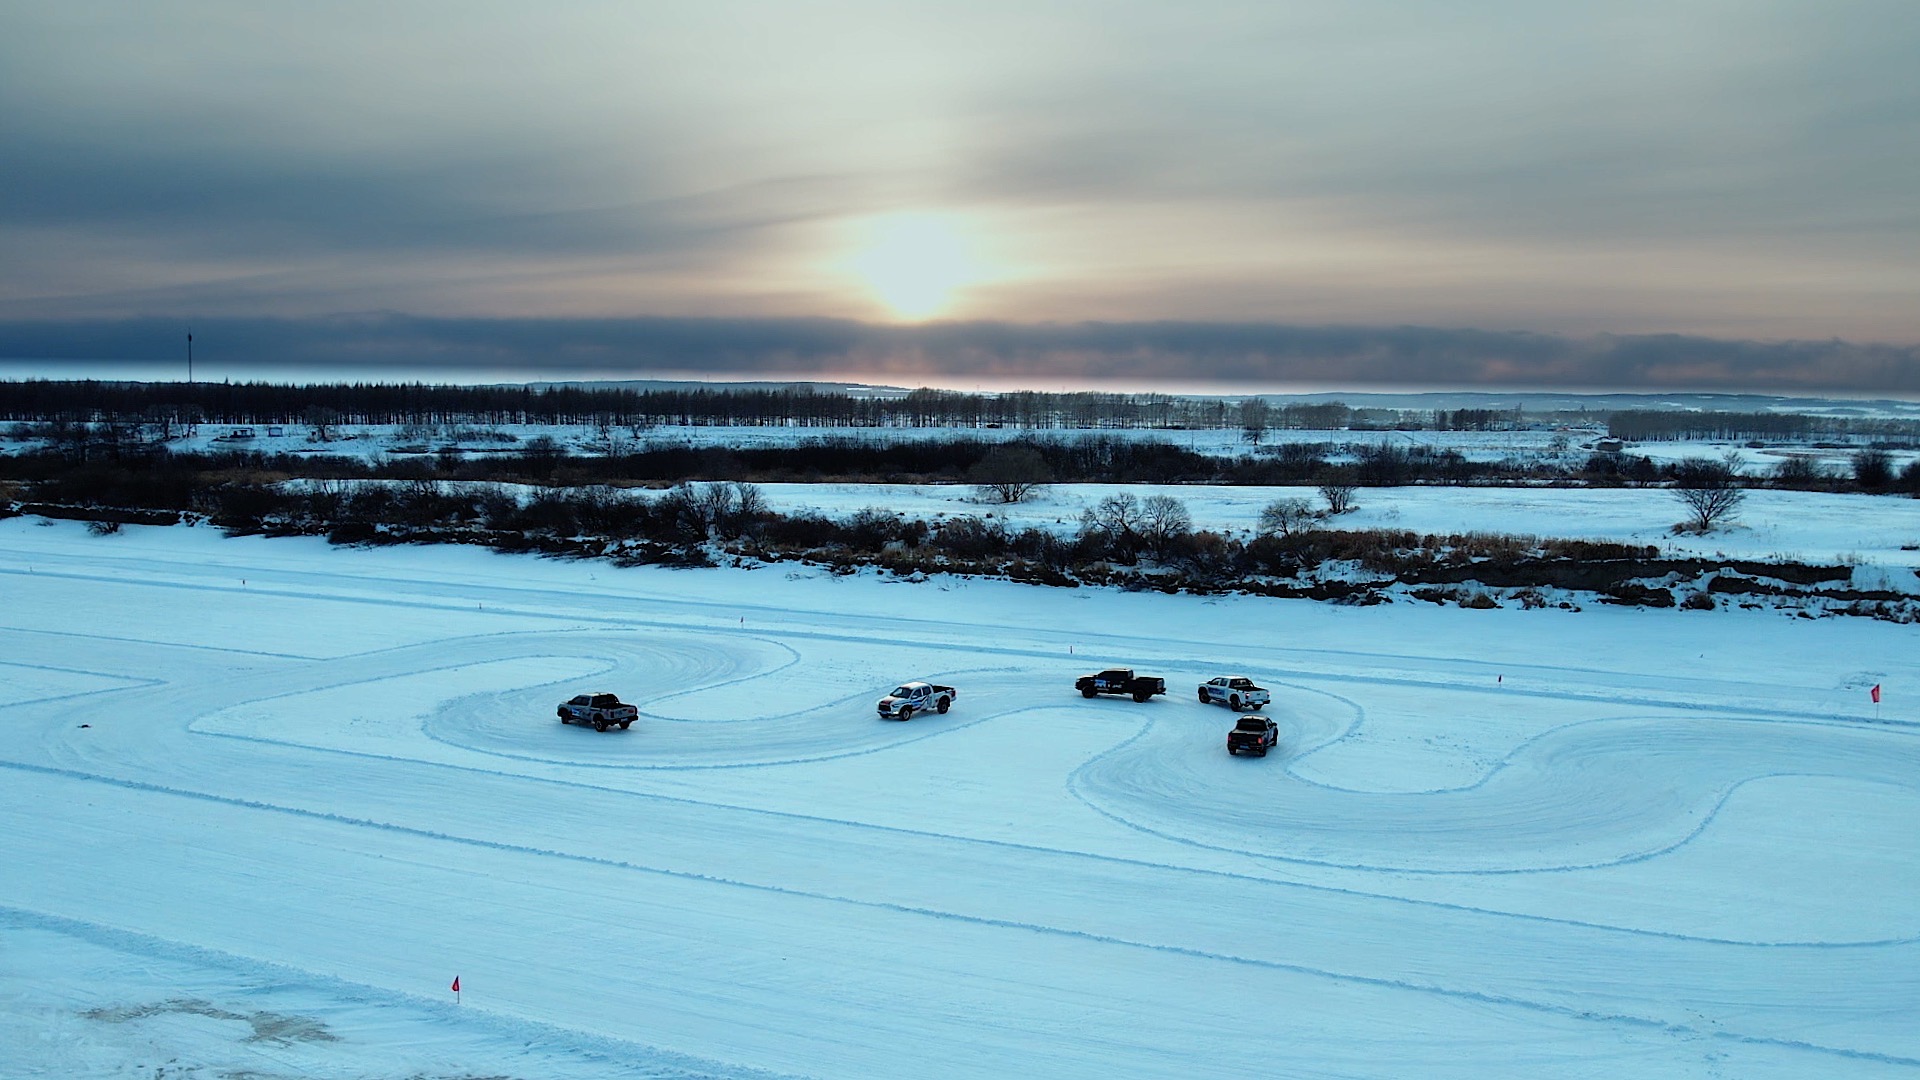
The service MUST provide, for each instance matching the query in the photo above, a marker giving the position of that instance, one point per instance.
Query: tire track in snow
(1340, 663)
(659, 1062)
(1567, 789)
(1174, 815)
(1478, 997)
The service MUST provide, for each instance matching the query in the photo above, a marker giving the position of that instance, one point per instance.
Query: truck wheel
(1231, 752)
(1234, 703)
(564, 720)
(1088, 692)
(625, 724)
(1262, 752)
(1203, 697)
(1141, 695)
(943, 706)
(1255, 706)
(599, 725)
(906, 713)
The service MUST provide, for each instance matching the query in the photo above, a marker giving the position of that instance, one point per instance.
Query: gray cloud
(1551, 122)
(1730, 166)
(399, 347)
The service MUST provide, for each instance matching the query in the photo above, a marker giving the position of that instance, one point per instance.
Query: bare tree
(1872, 468)
(1118, 516)
(750, 501)
(1254, 412)
(1709, 491)
(1162, 518)
(696, 510)
(1286, 516)
(1339, 495)
(1010, 474)
(1799, 471)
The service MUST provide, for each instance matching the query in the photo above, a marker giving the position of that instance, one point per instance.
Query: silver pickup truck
(1234, 692)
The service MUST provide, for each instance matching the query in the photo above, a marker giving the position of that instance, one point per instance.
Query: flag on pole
(1876, 693)
(456, 984)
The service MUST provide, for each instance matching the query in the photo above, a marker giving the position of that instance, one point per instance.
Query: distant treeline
(1644, 425)
(168, 408)
(70, 469)
(174, 405)
(87, 464)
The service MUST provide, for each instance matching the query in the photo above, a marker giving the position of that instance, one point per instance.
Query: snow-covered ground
(381, 440)
(264, 800)
(1867, 530)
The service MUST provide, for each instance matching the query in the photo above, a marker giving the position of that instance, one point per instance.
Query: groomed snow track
(330, 780)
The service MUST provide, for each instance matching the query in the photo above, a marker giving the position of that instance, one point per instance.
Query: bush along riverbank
(1124, 543)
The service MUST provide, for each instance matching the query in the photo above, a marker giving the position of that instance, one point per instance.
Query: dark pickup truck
(1253, 735)
(601, 711)
(1120, 681)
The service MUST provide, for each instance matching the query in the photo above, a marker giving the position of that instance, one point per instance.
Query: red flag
(456, 984)
(1876, 693)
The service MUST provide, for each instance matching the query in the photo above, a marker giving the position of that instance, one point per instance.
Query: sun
(914, 263)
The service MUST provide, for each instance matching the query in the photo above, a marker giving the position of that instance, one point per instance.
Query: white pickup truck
(913, 697)
(1234, 692)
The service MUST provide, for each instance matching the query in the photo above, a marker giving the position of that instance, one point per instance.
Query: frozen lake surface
(264, 800)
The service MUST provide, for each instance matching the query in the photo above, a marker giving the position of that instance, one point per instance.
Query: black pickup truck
(1253, 735)
(1120, 681)
(601, 711)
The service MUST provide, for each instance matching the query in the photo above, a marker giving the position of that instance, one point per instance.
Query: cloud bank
(1722, 167)
(389, 347)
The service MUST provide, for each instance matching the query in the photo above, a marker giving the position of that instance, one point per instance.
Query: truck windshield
(903, 691)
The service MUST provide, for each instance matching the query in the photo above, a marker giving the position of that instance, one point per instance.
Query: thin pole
(189, 356)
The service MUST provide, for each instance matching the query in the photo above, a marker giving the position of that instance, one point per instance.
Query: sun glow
(914, 263)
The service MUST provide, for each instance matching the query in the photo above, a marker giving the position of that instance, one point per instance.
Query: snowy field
(1873, 531)
(264, 800)
(380, 440)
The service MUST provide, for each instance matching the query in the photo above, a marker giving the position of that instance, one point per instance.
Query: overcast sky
(1743, 170)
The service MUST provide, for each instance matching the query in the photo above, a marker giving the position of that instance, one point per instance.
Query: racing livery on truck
(913, 697)
(1120, 681)
(1234, 692)
(601, 711)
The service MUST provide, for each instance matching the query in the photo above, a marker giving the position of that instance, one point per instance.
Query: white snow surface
(264, 799)
(1812, 526)
(375, 441)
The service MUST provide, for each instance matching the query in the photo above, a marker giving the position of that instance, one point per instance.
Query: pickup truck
(913, 697)
(1120, 681)
(1234, 692)
(600, 710)
(1253, 735)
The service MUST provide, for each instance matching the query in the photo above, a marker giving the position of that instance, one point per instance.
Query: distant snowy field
(1874, 531)
(369, 441)
(264, 800)
(1869, 530)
